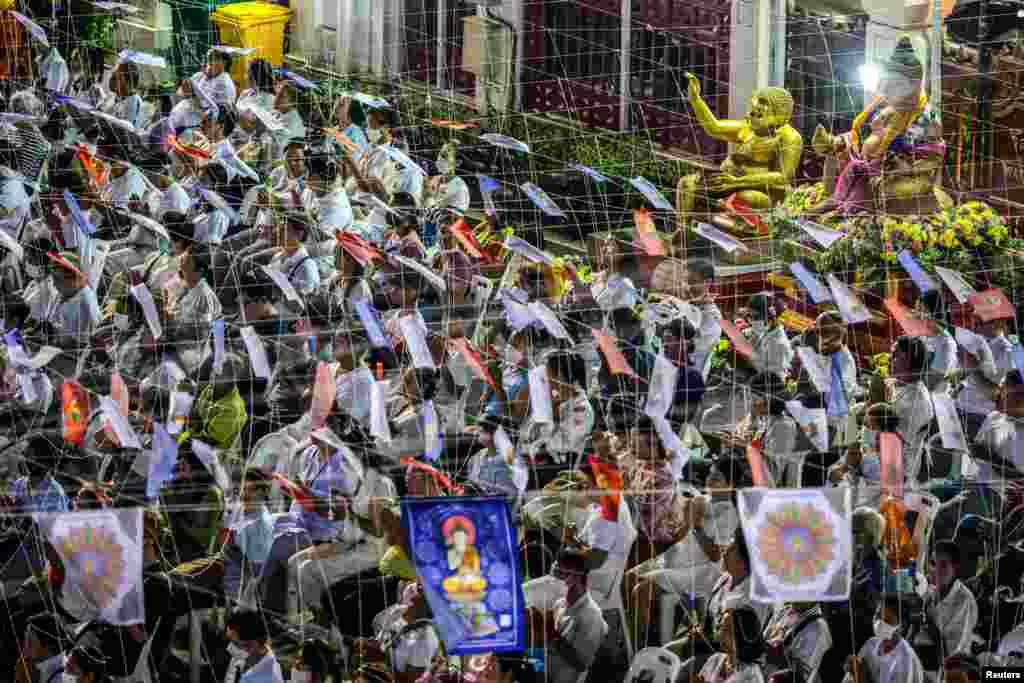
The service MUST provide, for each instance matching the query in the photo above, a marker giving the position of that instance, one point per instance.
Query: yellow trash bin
(252, 24)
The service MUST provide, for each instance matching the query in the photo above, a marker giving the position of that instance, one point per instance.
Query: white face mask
(236, 652)
(442, 167)
(122, 322)
(374, 135)
(885, 631)
(301, 676)
(758, 326)
(68, 678)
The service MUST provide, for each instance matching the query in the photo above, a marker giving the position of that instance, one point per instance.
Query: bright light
(870, 76)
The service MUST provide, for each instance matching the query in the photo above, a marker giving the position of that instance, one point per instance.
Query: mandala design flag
(102, 555)
(467, 558)
(800, 543)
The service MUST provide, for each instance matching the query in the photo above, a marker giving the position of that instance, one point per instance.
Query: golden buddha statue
(891, 158)
(466, 587)
(764, 160)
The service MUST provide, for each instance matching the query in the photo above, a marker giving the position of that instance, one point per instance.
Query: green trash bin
(194, 33)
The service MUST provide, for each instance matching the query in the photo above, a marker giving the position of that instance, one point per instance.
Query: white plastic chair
(142, 672)
(664, 664)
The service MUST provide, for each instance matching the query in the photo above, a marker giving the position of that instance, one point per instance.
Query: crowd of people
(300, 314)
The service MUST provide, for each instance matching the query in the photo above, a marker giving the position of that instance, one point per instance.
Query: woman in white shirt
(564, 438)
(888, 657)
(773, 351)
(286, 104)
(742, 648)
(347, 284)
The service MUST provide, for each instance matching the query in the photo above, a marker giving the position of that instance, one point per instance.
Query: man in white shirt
(249, 647)
(573, 632)
(911, 400)
(215, 80)
(700, 273)
(887, 657)
(292, 258)
(951, 609)
(986, 367)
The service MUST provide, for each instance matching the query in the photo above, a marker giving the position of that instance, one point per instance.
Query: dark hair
(257, 286)
(748, 634)
(261, 75)
(680, 327)
(1014, 378)
(203, 260)
(217, 174)
(90, 659)
(222, 57)
(47, 629)
(703, 267)
(950, 550)
(935, 303)
(426, 381)
(134, 74)
(573, 561)
(405, 211)
(916, 349)
(740, 541)
(315, 656)
(770, 387)
(903, 604)
(888, 420)
(763, 307)
(295, 143)
(735, 468)
(568, 367)
(179, 227)
(299, 222)
(965, 663)
(227, 118)
(36, 251)
(536, 337)
(249, 624)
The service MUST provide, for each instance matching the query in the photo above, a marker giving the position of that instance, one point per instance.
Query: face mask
(514, 356)
(758, 326)
(301, 676)
(236, 652)
(68, 678)
(122, 322)
(885, 631)
(374, 134)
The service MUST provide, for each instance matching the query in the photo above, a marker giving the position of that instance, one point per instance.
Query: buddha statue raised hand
(764, 160)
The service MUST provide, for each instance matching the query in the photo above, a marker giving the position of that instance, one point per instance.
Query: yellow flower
(949, 239)
(889, 256)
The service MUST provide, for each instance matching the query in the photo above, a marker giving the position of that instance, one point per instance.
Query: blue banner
(467, 557)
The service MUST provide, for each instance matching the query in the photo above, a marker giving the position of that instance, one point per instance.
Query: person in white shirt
(54, 72)
(951, 609)
(700, 274)
(797, 637)
(565, 437)
(215, 79)
(773, 351)
(127, 104)
(294, 128)
(574, 630)
(691, 566)
(197, 308)
(249, 648)
(911, 400)
(292, 258)
(79, 312)
(742, 647)
(942, 348)
(887, 657)
(45, 639)
(985, 371)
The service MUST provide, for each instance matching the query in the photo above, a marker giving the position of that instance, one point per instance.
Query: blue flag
(162, 460)
(922, 279)
(467, 557)
(838, 405)
(83, 222)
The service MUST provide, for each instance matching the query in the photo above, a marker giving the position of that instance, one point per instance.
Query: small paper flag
(125, 434)
(379, 427)
(851, 308)
(609, 478)
(119, 393)
(232, 50)
(758, 469)
(815, 288)
(549, 320)
(739, 342)
(745, 213)
(218, 346)
(298, 80)
(911, 324)
(416, 342)
(207, 455)
(651, 193)
(145, 298)
(32, 27)
(891, 449)
(142, 58)
(542, 201)
(284, 284)
(646, 234)
(616, 361)
(817, 367)
(506, 142)
(591, 173)
(473, 358)
(838, 404)
(923, 280)
(992, 304)
(74, 411)
(324, 389)
(368, 316)
(826, 237)
(527, 250)
(432, 438)
(454, 125)
(162, 460)
(257, 352)
(961, 289)
(662, 389)
(540, 396)
(403, 159)
(464, 234)
(78, 215)
(116, 6)
(726, 242)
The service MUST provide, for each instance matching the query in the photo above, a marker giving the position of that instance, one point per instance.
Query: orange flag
(464, 234)
(75, 411)
(324, 390)
(757, 466)
(472, 356)
(616, 361)
(908, 322)
(739, 342)
(891, 457)
(609, 478)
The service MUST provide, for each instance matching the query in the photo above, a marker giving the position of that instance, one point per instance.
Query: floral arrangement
(799, 200)
(880, 363)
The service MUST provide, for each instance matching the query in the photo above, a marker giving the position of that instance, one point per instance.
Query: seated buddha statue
(891, 158)
(466, 583)
(764, 159)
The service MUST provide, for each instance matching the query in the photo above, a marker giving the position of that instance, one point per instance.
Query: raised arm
(727, 129)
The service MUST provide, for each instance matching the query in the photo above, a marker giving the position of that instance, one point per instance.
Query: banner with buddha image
(466, 555)
(800, 543)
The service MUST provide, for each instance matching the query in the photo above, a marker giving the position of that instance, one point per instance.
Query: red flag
(472, 356)
(454, 125)
(646, 234)
(64, 263)
(464, 234)
(991, 304)
(892, 464)
(746, 214)
(911, 324)
(96, 171)
(616, 361)
(74, 411)
(609, 478)
(299, 493)
(440, 477)
(358, 248)
(739, 342)
(758, 469)
(189, 150)
(324, 390)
